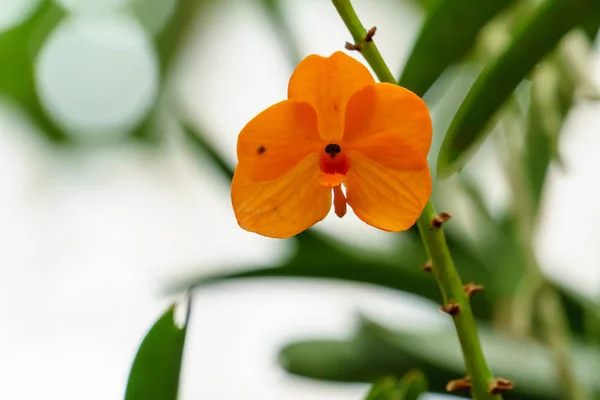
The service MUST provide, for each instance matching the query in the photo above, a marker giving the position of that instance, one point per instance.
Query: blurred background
(118, 125)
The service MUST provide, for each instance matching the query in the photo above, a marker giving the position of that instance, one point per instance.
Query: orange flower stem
(433, 238)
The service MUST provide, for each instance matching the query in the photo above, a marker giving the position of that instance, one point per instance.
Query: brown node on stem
(437, 222)
(359, 46)
(499, 385)
(471, 288)
(451, 308)
(458, 384)
(370, 34)
(427, 267)
(352, 46)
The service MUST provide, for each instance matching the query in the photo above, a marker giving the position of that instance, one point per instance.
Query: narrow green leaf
(168, 42)
(377, 352)
(197, 139)
(340, 361)
(405, 279)
(552, 94)
(412, 385)
(156, 368)
(545, 119)
(539, 35)
(19, 47)
(282, 29)
(447, 35)
(426, 5)
(384, 389)
(154, 15)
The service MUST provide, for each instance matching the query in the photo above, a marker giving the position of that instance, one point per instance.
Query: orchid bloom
(338, 127)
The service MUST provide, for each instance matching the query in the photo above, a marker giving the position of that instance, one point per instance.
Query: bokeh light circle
(97, 75)
(14, 12)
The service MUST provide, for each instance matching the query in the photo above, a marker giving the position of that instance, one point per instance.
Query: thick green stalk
(453, 293)
(433, 238)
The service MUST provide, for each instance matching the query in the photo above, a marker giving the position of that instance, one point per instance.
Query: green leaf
(340, 361)
(168, 42)
(154, 15)
(552, 95)
(156, 368)
(539, 35)
(427, 5)
(396, 277)
(376, 352)
(283, 33)
(447, 35)
(19, 47)
(410, 387)
(321, 258)
(545, 119)
(197, 139)
(384, 389)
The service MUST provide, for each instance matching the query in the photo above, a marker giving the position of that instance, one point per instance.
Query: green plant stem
(369, 51)
(452, 290)
(433, 238)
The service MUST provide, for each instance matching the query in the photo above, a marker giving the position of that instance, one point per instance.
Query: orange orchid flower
(338, 127)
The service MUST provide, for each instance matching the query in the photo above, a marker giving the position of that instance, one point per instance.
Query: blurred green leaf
(168, 42)
(197, 139)
(155, 371)
(154, 15)
(171, 38)
(385, 389)
(376, 352)
(552, 95)
(19, 47)
(361, 359)
(427, 5)
(315, 258)
(283, 33)
(386, 275)
(339, 361)
(583, 311)
(447, 35)
(545, 119)
(412, 385)
(539, 35)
